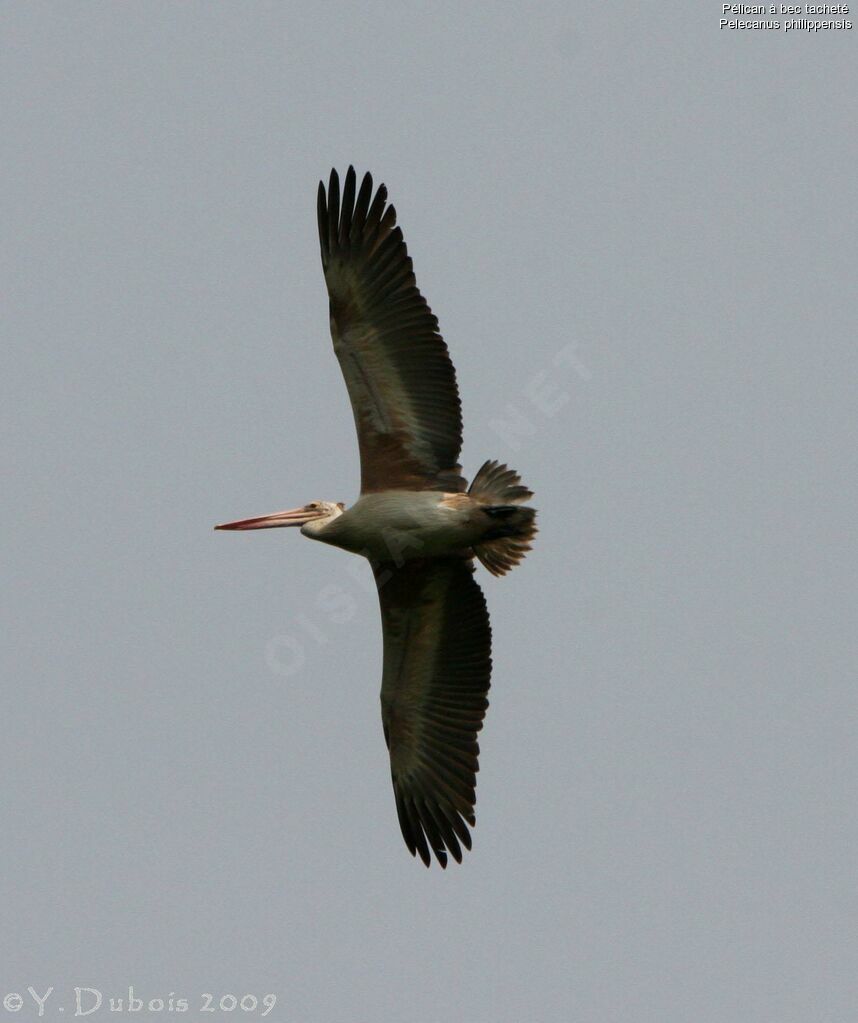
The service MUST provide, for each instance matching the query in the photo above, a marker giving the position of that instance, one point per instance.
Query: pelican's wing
(401, 382)
(437, 663)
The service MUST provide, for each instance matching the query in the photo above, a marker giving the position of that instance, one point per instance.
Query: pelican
(416, 520)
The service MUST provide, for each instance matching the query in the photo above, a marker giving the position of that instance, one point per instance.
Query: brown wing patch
(456, 501)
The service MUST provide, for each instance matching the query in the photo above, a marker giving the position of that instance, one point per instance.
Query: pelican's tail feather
(511, 527)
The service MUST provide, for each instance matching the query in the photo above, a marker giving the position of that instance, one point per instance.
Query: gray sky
(639, 235)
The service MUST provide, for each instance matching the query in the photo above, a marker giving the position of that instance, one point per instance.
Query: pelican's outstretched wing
(401, 382)
(437, 664)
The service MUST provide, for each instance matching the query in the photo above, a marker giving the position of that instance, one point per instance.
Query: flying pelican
(415, 521)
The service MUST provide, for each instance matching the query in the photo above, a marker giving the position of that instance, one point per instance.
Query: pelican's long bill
(293, 517)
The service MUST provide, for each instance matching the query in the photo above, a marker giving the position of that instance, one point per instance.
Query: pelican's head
(310, 517)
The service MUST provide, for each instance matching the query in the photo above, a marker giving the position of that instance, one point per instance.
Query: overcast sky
(639, 234)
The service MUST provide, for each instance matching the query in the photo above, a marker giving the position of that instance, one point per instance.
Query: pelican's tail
(512, 527)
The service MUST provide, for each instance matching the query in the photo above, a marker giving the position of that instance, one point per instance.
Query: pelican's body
(415, 521)
(405, 524)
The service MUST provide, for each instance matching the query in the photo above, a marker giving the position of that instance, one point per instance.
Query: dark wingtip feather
(346, 207)
(376, 208)
(362, 205)
(322, 217)
(333, 207)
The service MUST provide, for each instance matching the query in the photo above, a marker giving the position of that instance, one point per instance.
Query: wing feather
(399, 376)
(437, 666)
